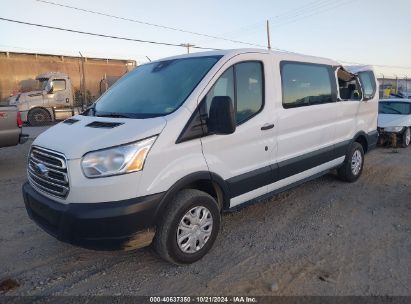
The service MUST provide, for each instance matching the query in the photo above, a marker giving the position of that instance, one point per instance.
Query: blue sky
(360, 31)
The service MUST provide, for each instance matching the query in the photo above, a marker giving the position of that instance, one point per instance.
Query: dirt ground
(323, 238)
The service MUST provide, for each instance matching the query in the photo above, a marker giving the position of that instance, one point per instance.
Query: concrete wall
(19, 70)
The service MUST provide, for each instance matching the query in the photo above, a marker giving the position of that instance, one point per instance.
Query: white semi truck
(53, 100)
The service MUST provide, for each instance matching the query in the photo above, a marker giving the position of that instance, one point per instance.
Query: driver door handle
(267, 126)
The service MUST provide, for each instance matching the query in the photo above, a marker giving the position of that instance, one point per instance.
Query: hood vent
(104, 124)
(71, 121)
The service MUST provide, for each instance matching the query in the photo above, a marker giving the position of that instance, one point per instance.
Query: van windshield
(154, 89)
(42, 83)
(401, 108)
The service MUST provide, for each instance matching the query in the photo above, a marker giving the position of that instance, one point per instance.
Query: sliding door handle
(267, 127)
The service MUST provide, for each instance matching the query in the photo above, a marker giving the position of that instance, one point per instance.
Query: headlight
(117, 160)
(393, 129)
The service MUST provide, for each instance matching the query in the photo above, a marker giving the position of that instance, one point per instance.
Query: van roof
(283, 54)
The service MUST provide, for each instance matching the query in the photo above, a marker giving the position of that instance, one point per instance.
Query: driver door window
(243, 83)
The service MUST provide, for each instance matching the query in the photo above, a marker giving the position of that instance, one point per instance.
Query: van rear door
(357, 105)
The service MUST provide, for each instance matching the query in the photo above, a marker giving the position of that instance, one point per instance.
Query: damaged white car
(394, 121)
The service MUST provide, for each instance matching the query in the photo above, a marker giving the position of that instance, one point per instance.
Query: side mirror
(49, 88)
(222, 117)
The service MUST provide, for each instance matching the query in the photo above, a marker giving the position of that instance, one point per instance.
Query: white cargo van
(178, 141)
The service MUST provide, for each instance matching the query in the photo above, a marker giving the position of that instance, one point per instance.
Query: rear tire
(188, 227)
(38, 117)
(406, 138)
(353, 164)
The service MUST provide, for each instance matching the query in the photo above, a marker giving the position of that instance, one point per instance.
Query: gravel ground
(325, 237)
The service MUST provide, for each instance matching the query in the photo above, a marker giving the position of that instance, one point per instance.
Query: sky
(372, 32)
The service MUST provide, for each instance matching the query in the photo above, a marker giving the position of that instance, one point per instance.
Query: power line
(235, 33)
(100, 35)
(162, 43)
(317, 11)
(288, 14)
(307, 6)
(66, 53)
(148, 23)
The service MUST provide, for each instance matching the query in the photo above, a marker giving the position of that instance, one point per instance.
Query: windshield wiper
(90, 111)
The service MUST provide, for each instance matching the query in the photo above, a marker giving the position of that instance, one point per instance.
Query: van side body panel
(169, 162)
(245, 160)
(307, 141)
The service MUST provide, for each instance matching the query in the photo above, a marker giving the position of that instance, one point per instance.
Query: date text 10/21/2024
(203, 299)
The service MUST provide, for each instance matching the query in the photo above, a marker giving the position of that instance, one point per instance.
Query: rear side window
(306, 84)
(368, 84)
(244, 84)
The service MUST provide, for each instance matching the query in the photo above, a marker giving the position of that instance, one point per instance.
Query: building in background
(92, 76)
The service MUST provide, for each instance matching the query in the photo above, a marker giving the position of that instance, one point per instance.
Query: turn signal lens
(138, 160)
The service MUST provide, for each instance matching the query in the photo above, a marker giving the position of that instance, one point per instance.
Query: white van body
(277, 146)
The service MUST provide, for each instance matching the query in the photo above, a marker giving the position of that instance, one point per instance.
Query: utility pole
(84, 79)
(188, 46)
(268, 36)
(406, 83)
(396, 84)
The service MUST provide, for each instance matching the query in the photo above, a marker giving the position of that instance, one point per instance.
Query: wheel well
(209, 187)
(201, 180)
(41, 108)
(362, 140)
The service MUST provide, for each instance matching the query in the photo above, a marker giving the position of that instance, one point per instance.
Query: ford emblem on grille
(41, 169)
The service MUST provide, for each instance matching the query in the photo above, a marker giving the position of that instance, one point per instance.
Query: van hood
(75, 137)
(393, 120)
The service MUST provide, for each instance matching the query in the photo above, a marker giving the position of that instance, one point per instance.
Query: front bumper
(389, 138)
(126, 224)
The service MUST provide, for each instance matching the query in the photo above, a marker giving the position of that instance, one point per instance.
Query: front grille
(47, 172)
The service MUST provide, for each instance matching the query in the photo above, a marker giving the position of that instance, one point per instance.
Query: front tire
(406, 138)
(353, 164)
(38, 117)
(188, 227)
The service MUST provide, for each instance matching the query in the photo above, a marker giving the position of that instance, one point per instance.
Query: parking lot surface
(325, 237)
